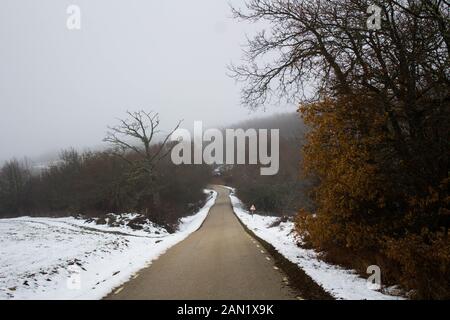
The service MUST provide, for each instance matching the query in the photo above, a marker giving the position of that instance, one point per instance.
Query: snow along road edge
(187, 226)
(39, 255)
(339, 282)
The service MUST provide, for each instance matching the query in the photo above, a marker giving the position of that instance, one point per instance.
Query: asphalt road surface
(218, 261)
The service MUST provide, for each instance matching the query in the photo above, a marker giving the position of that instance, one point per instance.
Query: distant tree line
(285, 192)
(134, 175)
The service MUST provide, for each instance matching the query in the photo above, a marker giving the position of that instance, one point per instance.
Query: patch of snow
(67, 258)
(339, 282)
(120, 223)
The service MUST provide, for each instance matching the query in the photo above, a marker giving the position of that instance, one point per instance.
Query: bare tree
(327, 45)
(133, 140)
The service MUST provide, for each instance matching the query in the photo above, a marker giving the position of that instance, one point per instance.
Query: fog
(60, 88)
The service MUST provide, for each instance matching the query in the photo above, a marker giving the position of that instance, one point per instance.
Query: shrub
(372, 200)
(97, 183)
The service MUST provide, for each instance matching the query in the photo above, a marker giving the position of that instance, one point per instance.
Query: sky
(61, 88)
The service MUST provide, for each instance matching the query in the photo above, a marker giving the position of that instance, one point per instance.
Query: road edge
(298, 279)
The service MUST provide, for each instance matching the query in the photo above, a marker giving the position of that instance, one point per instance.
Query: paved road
(218, 261)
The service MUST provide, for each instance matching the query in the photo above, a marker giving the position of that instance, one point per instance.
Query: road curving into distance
(219, 261)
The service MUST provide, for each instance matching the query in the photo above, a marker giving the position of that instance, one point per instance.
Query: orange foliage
(367, 202)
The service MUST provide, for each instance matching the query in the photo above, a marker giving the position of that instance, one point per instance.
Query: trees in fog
(125, 178)
(135, 137)
(133, 141)
(285, 192)
(14, 186)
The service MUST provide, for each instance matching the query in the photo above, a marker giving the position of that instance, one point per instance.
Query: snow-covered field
(69, 258)
(340, 283)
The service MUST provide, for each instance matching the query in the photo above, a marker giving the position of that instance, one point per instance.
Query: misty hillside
(290, 124)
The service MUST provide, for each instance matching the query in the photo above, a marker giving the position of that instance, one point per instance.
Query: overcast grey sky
(61, 88)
